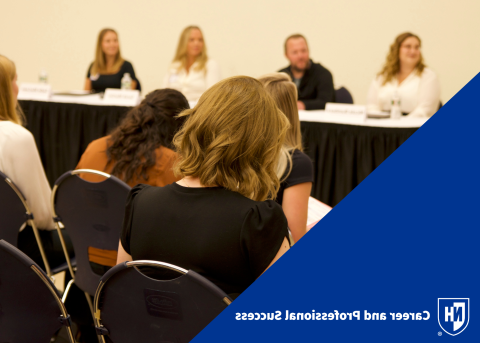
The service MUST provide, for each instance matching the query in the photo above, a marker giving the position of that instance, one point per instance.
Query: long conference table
(343, 152)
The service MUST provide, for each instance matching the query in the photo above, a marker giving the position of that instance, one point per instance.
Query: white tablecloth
(323, 117)
(307, 116)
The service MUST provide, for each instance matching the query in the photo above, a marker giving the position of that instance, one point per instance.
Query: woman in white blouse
(191, 71)
(20, 161)
(405, 76)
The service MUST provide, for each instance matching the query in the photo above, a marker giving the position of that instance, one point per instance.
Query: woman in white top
(20, 161)
(191, 71)
(405, 76)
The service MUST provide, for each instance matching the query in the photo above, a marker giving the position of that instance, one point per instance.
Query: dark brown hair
(145, 128)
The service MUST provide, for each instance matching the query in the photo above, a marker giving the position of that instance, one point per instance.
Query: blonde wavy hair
(99, 65)
(392, 64)
(181, 54)
(284, 92)
(9, 108)
(232, 138)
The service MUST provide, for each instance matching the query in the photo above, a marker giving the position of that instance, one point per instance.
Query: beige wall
(351, 38)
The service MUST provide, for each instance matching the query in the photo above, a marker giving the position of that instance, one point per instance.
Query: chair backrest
(30, 307)
(139, 86)
(12, 210)
(131, 307)
(343, 96)
(92, 213)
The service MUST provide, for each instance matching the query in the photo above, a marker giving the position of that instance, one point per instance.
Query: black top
(316, 86)
(302, 171)
(101, 82)
(220, 234)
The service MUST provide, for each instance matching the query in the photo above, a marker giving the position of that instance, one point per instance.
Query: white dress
(20, 161)
(419, 94)
(193, 84)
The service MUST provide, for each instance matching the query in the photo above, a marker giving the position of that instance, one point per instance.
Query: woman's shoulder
(302, 162)
(127, 64)
(212, 63)
(302, 169)
(98, 145)
(15, 131)
(428, 73)
(301, 158)
(174, 66)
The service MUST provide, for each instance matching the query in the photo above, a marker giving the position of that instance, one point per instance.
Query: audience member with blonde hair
(219, 219)
(405, 76)
(140, 149)
(108, 68)
(20, 161)
(191, 71)
(295, 169)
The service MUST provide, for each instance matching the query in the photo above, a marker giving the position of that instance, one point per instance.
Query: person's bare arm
(88, 84)
(283, 249)
(134, 84)
(295, 207)
(122, 255)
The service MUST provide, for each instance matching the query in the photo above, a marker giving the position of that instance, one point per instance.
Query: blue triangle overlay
(406, 236)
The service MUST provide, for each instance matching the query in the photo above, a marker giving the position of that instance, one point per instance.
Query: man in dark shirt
(314, 82)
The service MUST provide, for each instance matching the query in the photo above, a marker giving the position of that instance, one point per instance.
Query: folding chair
(30, 307)
(132, 307)
(14, 212)
(92, 214)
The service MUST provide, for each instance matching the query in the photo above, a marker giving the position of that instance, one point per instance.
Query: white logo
(453, 314)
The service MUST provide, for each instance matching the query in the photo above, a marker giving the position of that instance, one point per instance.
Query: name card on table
(121, 97)
(352, 113)
(34, 91)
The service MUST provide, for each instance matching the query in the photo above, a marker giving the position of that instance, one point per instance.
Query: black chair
(343, 96)
(30, 306)
(92, 214)
(14, 212)
(132, 307)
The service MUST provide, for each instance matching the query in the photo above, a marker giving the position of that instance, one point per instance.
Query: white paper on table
(316, 211)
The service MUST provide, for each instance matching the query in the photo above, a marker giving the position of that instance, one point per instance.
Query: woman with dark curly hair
(406, 77)
(140, 149)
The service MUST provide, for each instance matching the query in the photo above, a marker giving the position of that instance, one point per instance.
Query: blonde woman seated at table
(20, 161)
(219, 219)
(295, 169)
(192, 72)
(109, 67)
(406, 76)
(140, 149)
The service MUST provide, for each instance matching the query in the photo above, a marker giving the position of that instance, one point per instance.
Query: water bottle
(126, 81)
(43, 76)
(395, 112)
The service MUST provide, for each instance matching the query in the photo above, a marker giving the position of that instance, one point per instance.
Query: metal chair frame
(65, 319)
(30, 221)
(134, 264)
(59, 225)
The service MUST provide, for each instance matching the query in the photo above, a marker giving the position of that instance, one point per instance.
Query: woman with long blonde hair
(405, 76)
(219, 219)
(20, 161)
(109, 67)
(191, 71)
(294, 168)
